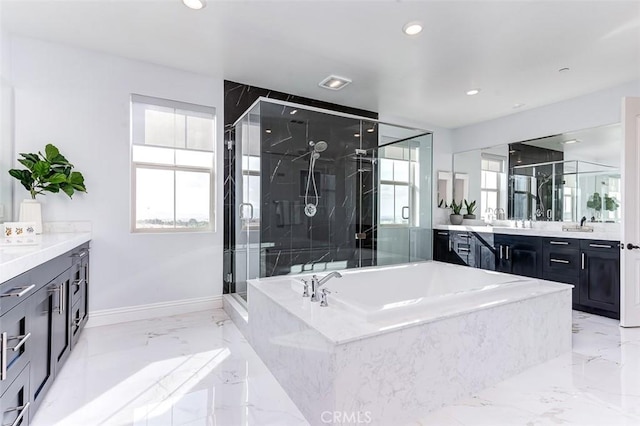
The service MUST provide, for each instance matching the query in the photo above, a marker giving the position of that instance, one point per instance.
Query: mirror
(6, 150)
(557, 178)
(483, 179)
(445, 189)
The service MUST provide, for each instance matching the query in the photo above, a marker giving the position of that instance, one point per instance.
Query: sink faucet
(316, 283)
(583, 220)
(500, 215)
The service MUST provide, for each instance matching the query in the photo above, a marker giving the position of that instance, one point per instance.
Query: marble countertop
(597, 234)
(16, 259)
(340, 326)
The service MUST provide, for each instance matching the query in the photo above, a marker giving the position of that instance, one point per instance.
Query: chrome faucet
(500, 215)
(316, 283)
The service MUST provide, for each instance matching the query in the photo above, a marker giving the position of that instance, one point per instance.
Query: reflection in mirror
(485, 180)
(567, 177)
(557, 178)
(445, 189)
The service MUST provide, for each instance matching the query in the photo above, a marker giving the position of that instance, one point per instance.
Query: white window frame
(135, 165)
(499, 189)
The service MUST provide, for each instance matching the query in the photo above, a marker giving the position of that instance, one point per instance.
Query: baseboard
(153, 310)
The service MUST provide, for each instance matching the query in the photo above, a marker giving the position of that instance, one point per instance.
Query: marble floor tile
(194, 369)
(197, 369)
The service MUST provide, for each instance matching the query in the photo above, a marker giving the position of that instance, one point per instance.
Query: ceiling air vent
(333, 82)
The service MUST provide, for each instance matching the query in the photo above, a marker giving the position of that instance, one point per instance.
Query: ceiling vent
(333, 82)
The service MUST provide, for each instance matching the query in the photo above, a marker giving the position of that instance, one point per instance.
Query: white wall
(6, 128)
(79, 101)
(592, 110)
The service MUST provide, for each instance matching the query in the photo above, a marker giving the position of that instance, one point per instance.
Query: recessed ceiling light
(356, 135)
(293, 111)
(516, 106)
(412, 28)
(565, 69)
(570, 141)
(473, 92)
(268, 131)
(333, 82)
(371, 130)
(195, 4)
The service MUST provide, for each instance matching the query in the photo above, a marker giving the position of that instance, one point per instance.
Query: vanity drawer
(15, 291)
(15, 344)
(14, 404)
(600, 245)
(560, 243)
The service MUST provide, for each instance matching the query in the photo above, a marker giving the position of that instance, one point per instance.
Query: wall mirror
(6, 151)
(445, 189)
(557, 178)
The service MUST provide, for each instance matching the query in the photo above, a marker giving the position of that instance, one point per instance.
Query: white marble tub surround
(393, 370)
(14, 260)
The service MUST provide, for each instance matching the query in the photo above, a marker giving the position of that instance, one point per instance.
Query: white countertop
(16, 259)
(599, 233)
(340, 326)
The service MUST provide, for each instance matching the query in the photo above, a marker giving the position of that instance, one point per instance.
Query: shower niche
(307, 192)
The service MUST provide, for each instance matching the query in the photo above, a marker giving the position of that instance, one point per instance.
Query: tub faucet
(316, 283)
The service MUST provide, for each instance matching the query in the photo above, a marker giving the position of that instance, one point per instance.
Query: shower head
(320, 146)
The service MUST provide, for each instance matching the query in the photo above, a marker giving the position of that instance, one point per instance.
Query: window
(172, 154)
(399, 193)
(490, 177)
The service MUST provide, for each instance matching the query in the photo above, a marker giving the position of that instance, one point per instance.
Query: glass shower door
(404, 231)
(247, 183)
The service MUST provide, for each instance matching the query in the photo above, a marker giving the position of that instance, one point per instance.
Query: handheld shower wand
(310, 209)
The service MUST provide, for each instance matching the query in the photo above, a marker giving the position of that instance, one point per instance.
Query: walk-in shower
(316, 190)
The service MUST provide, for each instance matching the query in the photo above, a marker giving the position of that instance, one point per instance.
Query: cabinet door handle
(560, 243)
(450, 245)
(78, 283)
(582, 260)
(61, 299)
(506, 252)
(23, 410)
(24, 290)
(443, 233)
(463, 249)
(81, 254)
(500, 251)
(600, 246)
(23, 340)
(3, 355)
(559, 261)
(464, 236)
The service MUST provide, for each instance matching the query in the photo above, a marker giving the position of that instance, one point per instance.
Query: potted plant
(471, 208)
(455, 217)
(48, 172)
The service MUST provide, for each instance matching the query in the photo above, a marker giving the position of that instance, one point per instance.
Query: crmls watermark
(341, 417)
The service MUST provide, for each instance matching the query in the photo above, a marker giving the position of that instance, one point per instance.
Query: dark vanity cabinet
(518, 254)
(591, 266)
(38, 329)
(600, 276)
(561, 263)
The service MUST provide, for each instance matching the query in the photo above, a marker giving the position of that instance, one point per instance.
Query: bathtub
(392, 291)
(399, 341)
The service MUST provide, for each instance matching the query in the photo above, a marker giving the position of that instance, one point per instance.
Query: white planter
(31, 211)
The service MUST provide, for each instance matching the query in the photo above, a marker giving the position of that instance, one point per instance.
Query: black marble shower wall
(522, 154)
(346, 188)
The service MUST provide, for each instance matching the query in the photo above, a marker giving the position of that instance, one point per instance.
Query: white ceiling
(511, 50)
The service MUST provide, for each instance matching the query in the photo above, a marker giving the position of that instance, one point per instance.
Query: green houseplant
(471, 208)
(48, 172)
(455, 217)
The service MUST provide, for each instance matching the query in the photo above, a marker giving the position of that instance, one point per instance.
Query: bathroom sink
(577, 228)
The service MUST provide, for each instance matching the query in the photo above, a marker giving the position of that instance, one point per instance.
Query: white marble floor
(197, 369)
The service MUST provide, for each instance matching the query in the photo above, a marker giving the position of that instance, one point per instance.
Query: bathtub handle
(323, 297)
(306, 288)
